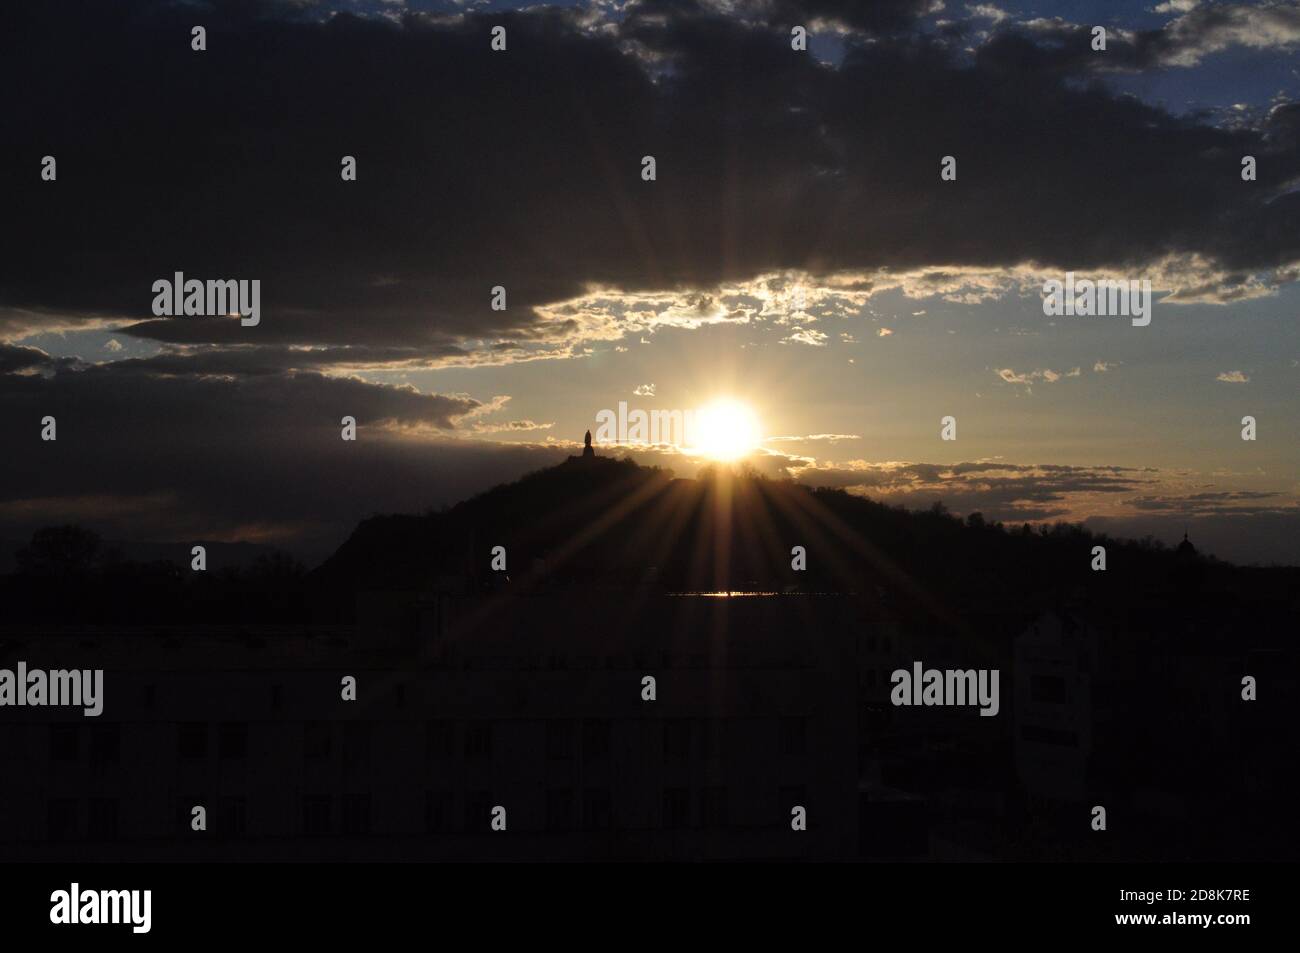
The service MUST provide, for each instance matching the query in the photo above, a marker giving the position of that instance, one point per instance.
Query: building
(534, 704)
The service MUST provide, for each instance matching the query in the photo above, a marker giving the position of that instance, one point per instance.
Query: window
(439, 740)
(1049, 736)
(105, 745)
(596, 734)
(559, 740)
(713, 807)
(677, 808)
(61, 818)
(233, 819)
(277, 697)
(794, 737)
(192, 740)
(559, 810)
(232, 740)
(478, 808)
(437, 811)
(597, 809)
(317, 740)
(103, 819)
(677, 740)
(63, 743)
(1047, 690)
(356, 744)
(316, 815)
(478, 740)
(356, 814)
(709, 733)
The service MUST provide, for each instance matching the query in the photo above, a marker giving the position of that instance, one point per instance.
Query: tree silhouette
(59, 551)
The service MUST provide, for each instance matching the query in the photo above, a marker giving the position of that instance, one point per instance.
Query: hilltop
(601, 523)
(612, 524)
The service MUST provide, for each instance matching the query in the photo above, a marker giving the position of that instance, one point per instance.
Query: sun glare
(726, 430)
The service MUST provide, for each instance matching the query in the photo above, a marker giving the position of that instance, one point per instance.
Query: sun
(725, 429)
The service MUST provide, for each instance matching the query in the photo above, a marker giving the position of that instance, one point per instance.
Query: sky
(797, 251)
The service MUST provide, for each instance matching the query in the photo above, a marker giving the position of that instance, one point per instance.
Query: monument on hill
(588, 452)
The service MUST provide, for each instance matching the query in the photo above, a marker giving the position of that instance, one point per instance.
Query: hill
(612, 524)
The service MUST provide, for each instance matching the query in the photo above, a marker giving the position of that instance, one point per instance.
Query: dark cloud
(522, 168)
(277, 359)
(873, 17)
(1247, 526)
(255, 456)
(1057, 46)
(870, 16)
(19, 357)
(513, 425)
(1217, 503)
(1003, 491)
(108, 395)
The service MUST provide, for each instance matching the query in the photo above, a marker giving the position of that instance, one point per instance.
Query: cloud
(1214, 502)
(810, 336)
(1212, 28)
(402, 260)
(1233, 377)
(815, 438)
(877, 18)
(1197, 32)
(250, 359)
(512, 426)
(999, 489)
(645, 390)
(220, 453)
(1247, 525)
(987, 11)
(35, 362)
(610, 313)
(18, 357)
(1027, 378)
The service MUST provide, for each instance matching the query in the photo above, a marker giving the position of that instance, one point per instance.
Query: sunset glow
(726, 429)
